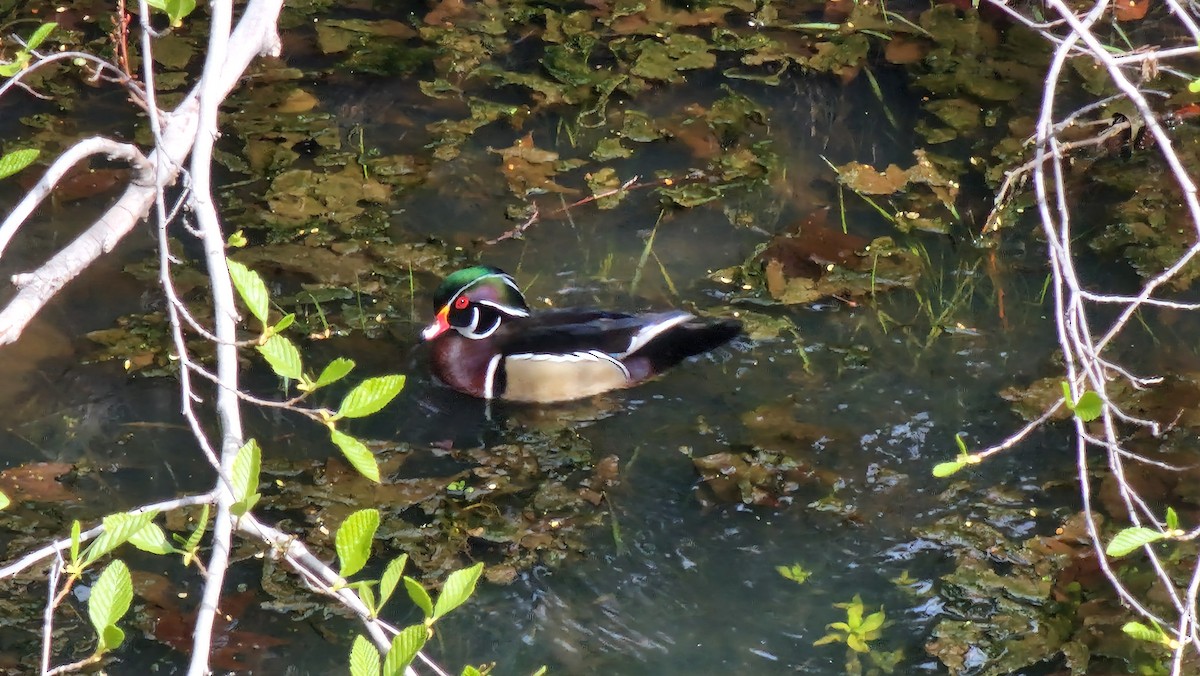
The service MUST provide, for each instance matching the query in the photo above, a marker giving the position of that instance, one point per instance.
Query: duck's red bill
(440, 325)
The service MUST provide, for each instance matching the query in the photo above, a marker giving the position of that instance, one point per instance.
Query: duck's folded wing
(584, 331)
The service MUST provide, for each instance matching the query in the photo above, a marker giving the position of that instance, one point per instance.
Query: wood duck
(487, 343)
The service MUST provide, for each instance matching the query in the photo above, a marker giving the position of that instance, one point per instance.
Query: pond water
(675, 580)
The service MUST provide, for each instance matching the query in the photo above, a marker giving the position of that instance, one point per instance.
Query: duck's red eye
(461, 303)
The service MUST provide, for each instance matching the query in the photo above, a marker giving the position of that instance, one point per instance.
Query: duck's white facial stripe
(508, 281)
(473, 331)
(506, 309)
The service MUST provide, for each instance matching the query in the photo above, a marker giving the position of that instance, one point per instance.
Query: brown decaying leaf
(1130, 10)
(235, 650)
(529, 168)
(447, 10)
(37, 482)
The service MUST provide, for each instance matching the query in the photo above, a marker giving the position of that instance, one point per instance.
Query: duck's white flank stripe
(489, 382)
(573, 358)
(649, 333)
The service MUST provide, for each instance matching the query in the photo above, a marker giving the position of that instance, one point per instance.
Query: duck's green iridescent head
(475, 301)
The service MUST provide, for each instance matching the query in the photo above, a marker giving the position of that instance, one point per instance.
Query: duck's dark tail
(679, 343)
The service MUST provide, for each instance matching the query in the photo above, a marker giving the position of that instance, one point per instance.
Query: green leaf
(391, 578)
(353, 540)
(871, 623)
(405, 647)
(118, 528)
(856, 644)
(945, 469)
(370, 396)
(109, 601)
(284, 322)
(828, 638)
(854, 613)
(1066, 390)
(17, 159)
(1143, 633)
(251, 288)
(364, 658)
(283, 357)
(1172, 519)
(469, 670)
(367, 596)
(177, 10)
(360, 457)
(245, 476)
(110, 639)
(39, 36)
(458, 588)
(962, 445)
(795, 572)
(1194, 86)
(5, 501)
(76, 534)
(419, 596)
(1132, 538)
(193, 540)
(335, 371)
(1089, 407)
(152, 539)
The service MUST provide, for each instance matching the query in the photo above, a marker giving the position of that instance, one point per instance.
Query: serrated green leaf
(1172, 519)
(405, 647)
(945, 469)
(391, 578)
(1089, 407)
(1130, 539)
(245, 477)
(252, 289)
(336, 370)
(5, 501)
(360, 457)
(283, 357)
(370, 396)
(419, 596)
(17, 159)
(152, 539)
(364, 658)
(118, 528)
(458, 588)
(353, 540)
(1143, 633)
(110, 599)
(39, 36)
